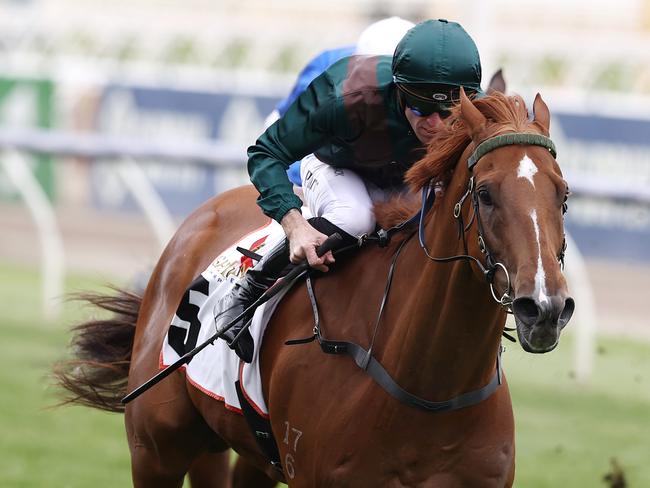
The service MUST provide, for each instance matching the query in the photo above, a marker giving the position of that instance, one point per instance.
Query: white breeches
(340, 196)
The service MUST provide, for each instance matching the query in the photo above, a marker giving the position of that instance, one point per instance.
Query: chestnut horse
(438, 337)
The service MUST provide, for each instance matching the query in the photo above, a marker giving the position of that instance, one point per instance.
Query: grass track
(42, 446)
(566, 433)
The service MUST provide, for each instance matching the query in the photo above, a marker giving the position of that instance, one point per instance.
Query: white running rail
(52, 256)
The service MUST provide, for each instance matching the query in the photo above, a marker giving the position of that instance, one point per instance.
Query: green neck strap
(520, 138)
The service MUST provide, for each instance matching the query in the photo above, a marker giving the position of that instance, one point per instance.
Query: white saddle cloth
(215, 369)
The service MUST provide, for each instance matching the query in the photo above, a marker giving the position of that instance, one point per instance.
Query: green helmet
(437, 52)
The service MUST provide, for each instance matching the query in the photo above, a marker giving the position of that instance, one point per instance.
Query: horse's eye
(485, 197)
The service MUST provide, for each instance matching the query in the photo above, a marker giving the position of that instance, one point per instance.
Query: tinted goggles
(425, 109)
(431, 99)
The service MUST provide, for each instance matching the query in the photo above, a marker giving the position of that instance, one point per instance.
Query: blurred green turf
(566, 433)
(43, 446)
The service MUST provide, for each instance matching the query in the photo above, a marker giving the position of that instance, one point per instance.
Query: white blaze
(527, 169)
(540, 275)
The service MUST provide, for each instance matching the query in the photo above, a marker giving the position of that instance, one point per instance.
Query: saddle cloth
(215, 369)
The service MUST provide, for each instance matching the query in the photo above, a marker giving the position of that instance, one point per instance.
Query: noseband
(491, 264)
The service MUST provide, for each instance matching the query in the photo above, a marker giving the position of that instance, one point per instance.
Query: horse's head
(520, 196)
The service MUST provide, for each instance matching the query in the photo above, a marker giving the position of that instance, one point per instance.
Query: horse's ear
(541, 114)
(473, 118)
(497, 82)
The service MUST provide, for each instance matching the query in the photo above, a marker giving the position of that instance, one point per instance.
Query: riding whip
(330, 243)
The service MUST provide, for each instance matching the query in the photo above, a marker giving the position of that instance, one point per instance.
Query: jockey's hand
(303, 241)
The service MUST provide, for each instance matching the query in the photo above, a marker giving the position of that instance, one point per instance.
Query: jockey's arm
(311, 121)
(309, 124)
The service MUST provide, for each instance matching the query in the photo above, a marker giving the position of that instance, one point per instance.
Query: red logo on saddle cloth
(247, 262)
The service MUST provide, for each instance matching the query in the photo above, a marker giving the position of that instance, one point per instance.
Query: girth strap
(261, 429)
(377, 372)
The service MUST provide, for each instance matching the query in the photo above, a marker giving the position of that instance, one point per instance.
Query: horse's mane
(503, 114)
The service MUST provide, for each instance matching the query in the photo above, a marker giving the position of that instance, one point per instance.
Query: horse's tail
(97, 376)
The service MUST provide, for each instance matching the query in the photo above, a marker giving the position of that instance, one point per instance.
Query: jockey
(378, 38)
(358, 128)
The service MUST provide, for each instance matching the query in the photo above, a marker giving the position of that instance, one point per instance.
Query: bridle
(364, 358)
(491, 266)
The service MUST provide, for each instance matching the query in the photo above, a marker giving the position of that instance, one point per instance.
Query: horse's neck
(446, 333)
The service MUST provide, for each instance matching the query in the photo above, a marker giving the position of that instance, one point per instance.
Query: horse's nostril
(567, 312)
(526, 310)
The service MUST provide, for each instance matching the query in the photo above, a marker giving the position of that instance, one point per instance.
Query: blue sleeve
(314, 68)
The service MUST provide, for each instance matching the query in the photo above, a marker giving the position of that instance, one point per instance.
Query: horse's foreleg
(211, 470)
(246, 474)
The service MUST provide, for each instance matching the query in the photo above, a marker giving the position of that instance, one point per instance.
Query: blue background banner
(166, 114)
(615, 154)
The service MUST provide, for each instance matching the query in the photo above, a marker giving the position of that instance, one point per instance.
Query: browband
(521, 138)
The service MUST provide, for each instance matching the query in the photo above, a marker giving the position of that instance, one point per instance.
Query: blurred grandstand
(195, 79)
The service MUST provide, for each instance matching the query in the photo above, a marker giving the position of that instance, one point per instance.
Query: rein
(492, 265)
